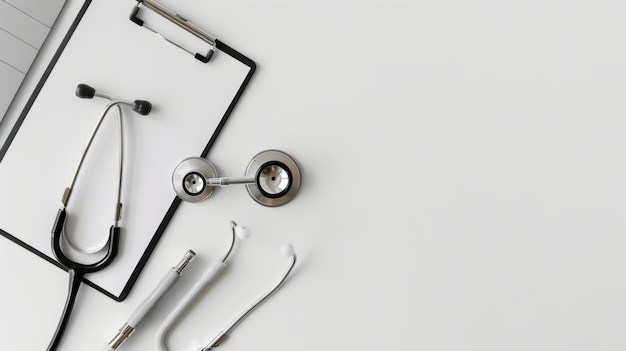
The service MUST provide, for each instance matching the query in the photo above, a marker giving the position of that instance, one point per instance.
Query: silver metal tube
(68, 191)
(125, 332)
(239, 181)
(180, 267)
(225, 181)
(118, 205)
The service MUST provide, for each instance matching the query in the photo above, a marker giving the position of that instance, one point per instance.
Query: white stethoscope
(272, 178)
(211, 272)
(75, 269)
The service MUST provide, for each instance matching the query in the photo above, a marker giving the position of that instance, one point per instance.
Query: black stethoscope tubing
(75, 269)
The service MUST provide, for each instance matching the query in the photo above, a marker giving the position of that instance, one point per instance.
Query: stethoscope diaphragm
(277, 178)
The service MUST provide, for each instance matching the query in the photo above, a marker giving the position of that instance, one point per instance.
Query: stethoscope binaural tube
(140, 106)
(78, 270)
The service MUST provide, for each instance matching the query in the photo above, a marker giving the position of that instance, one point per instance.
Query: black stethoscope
(78, 270)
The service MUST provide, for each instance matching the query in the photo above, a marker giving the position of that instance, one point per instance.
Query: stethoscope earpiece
(84, 91)
(287, 250)
(241, 231)
(142, 107)
(272, 179)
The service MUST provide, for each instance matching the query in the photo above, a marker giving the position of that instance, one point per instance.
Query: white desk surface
(463, 185)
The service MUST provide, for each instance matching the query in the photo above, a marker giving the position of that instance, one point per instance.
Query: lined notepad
(24, 26)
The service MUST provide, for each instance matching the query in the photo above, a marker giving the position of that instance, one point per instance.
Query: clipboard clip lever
(179, 21)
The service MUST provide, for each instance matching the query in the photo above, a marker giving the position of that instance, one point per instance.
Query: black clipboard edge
(175, 203)
(246, 61)
(170, 212)
(54, 262)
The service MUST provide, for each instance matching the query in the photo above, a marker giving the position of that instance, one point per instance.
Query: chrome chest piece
(272, 178)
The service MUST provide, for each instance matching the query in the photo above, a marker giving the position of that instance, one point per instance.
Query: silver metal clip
(179, 21)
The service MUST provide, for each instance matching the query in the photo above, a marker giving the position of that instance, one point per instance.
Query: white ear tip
(287, 250)
(242, 232)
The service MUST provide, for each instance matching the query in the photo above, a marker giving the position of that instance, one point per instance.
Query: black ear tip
(84, 91)
(142, 107)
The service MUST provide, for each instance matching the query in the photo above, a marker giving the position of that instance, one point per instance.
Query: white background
(463, 185)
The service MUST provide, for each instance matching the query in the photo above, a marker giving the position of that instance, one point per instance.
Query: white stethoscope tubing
(209, 275)
(211, 272)
(168, 281)
(287, 250)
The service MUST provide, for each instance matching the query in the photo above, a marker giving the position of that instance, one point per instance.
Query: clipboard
(45, 145)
